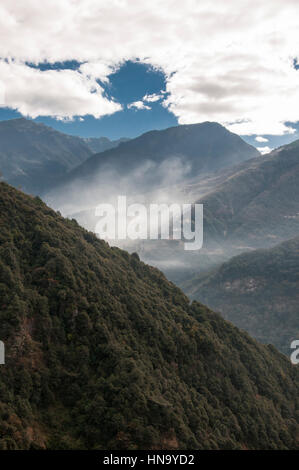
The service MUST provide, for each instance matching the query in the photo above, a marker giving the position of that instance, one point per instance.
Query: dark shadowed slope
(103, 352)
(33, 156)
(257, 291)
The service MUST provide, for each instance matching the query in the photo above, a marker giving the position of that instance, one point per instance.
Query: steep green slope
(103, 352)
(35, 156)
(257, 291)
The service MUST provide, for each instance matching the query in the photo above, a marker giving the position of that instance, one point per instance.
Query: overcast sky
(233, 61)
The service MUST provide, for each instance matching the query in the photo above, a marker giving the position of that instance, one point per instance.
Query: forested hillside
(102, 352)
(257, 291)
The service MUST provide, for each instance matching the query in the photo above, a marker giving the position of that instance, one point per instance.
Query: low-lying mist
(166, 182)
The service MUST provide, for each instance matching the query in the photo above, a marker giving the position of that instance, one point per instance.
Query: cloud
(97, 70)
(151, 181)
(261, 139)
(138, 105)
(60, 93)
(152, 98)
(264, 150)
(231, 62)
(141, 104)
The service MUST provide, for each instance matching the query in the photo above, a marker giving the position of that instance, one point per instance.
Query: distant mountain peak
(204, 147)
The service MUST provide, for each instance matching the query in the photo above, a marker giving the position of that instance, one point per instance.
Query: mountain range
(103, 352)
(194, 149)
(251, 205)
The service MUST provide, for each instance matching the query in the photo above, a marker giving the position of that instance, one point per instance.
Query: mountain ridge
(151, 140)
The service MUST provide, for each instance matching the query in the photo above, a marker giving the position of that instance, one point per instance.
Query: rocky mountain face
(102, 352)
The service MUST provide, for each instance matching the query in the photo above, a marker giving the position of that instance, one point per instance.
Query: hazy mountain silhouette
(33, 156)
(258, 204)
(203, 147)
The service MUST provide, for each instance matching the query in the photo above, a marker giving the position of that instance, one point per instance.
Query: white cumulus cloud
(264, 150)
(59, 93)
(231, 62)
(138, 105)
(152, 98)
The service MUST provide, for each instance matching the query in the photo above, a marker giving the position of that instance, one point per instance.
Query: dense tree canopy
(102, 352)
